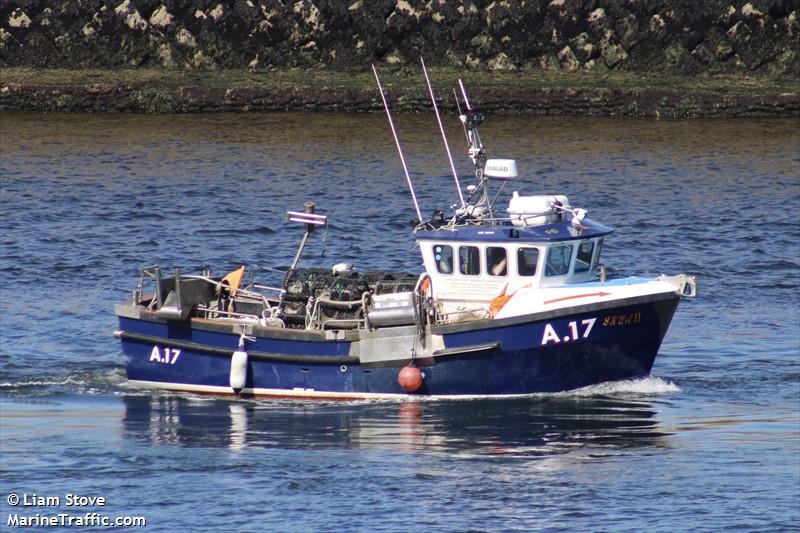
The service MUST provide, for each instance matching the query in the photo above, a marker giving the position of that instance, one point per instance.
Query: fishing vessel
(512, 301)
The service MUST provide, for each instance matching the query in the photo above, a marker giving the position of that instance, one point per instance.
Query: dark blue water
(711, 442)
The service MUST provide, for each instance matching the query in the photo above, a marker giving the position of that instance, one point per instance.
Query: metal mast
(471, 120)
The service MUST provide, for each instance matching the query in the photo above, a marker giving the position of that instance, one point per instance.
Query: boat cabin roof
(556, 231)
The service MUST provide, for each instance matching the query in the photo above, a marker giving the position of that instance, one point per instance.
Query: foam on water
(91, 381)
(42, 383)
(650, 385)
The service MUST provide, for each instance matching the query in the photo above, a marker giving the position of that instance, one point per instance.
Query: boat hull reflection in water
(548, 426)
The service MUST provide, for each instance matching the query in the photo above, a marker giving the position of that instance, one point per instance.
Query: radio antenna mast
(397, 142)
(471, 120)
(441, 129)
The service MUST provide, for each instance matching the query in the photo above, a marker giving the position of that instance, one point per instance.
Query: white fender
(238, 377)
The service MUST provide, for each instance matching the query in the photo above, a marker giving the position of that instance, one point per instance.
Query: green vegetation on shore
(404, 79)
(533, 91)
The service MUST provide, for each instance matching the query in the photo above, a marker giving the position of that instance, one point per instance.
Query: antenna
(397, 142)
(464, 92)
(441, 129)
(458, 106)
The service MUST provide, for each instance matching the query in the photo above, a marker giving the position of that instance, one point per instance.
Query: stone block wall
(678, 36)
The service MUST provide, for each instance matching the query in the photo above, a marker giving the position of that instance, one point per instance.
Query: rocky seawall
(643, 35)
(689, 38)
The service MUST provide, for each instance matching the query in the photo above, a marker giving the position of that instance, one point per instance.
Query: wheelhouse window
(443, 254)
(597, 253)
(469, 260)
(558, 258)
(527, 259)
(584, 259)
(496, 261)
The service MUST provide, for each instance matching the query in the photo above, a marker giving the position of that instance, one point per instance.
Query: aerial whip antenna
(397, 142)
(458, 106)
(441, 129)
(464, 92)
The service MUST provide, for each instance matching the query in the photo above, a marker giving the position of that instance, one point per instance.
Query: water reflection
(539, 427)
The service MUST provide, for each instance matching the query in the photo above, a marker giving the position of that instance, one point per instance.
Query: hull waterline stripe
(267, 393)
(310, 394)
(188, 345)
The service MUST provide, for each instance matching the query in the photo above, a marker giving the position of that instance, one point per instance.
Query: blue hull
(523, 355)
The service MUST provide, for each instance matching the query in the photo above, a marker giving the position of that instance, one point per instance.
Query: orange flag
(233, 279)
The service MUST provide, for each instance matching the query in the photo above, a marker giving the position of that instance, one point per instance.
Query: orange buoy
(410, 378)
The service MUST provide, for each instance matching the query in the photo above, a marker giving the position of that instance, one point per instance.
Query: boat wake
(91, 382)
(650, 385)
(628, 388)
